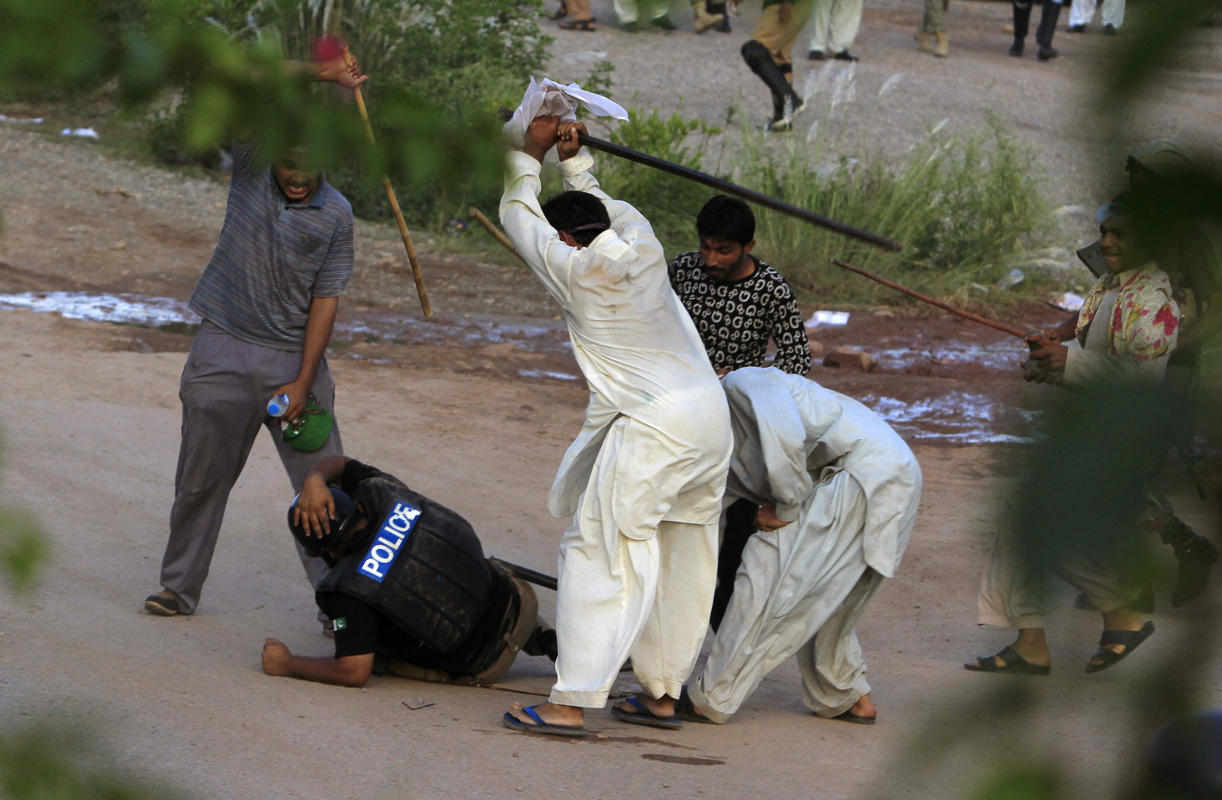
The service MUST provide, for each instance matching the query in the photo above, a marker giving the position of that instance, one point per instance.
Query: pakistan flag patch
(339, 624)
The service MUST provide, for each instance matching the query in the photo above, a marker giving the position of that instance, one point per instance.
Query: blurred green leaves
(436, 69)
(53, 763)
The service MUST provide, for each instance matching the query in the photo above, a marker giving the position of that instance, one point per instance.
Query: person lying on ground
(409, 590)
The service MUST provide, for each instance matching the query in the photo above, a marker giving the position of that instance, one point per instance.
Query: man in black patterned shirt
(737, 301)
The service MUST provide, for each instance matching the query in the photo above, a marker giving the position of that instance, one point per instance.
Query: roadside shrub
(963, 205)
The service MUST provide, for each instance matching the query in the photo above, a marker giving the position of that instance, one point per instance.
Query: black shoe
(1109, 30)
(845, 55)
(1016, 49)
(1046, 53)
(724, 26)
(1077, 29)
(1195, 558)
(163, 604)
(663, 22)
(815, 55)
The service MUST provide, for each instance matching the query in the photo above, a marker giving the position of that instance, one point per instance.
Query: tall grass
(963, 205)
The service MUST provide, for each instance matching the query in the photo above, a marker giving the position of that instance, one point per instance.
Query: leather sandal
(1104, 658)
(1013, 663)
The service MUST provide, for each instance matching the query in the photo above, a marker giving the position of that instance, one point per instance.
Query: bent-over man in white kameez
(644, 478)
(838, 491)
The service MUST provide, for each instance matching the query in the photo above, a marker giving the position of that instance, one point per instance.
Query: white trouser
(1015, 594)
(834, 24)
(800, 590)
(617, 596)
(1083, 11)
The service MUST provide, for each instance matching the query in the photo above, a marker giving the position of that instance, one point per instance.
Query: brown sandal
(579, 25)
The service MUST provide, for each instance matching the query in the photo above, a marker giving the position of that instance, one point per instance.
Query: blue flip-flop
(539, 726)
(643, 716)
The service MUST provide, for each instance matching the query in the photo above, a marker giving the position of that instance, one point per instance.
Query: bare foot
(864, 707)
(551, 713)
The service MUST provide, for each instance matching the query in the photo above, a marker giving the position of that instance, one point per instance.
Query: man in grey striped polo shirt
(268, 299)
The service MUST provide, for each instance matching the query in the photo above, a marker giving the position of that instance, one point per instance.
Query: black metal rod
(527, 574)
(741, 191)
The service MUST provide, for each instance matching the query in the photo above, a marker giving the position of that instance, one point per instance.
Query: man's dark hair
(579, 214)
(726, 218)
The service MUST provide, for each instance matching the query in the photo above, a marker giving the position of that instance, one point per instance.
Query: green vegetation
(670, 203)
(963, 205)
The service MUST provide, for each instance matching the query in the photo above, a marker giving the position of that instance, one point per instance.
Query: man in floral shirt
(1140, 318)
(1128, 328)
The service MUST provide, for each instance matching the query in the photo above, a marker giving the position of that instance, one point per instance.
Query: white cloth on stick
(550, 97)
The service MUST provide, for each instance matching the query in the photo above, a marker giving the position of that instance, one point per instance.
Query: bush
(669, 202)
(962, 205)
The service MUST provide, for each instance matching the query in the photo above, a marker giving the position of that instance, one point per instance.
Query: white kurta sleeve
(524, 224)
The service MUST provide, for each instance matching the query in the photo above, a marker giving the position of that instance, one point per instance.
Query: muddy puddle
(928, 413)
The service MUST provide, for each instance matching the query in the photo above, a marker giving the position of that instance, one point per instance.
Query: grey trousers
(225, 386)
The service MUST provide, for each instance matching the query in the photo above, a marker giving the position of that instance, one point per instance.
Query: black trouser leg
(1022, 20)
(740, 526)
(762, 64)
(1048, 23)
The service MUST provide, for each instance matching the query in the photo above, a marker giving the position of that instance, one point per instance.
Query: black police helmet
(316, 546)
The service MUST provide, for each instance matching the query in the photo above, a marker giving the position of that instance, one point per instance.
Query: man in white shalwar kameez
(644, 478)
(838, 491)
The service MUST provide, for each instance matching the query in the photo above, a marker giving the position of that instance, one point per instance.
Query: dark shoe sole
(161, 606)
(849, 716)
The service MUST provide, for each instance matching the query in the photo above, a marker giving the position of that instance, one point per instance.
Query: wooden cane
(1000, 326)
(495, 231)
(417, 275)
(741, 191)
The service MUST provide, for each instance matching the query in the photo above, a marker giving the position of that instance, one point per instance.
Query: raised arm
(575, 165)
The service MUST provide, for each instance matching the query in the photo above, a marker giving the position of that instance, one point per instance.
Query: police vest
(423, 568)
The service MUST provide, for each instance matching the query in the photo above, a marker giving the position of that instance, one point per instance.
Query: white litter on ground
(82, 133)
(831, 319)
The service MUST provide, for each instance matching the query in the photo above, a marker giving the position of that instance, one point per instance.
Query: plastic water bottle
(278, 405)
